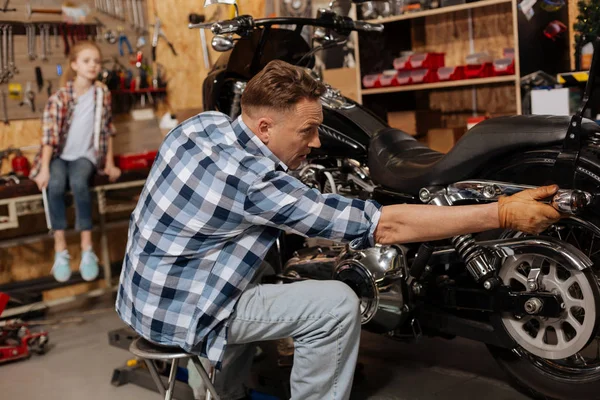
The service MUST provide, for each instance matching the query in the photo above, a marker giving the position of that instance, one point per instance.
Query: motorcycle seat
(398, 162)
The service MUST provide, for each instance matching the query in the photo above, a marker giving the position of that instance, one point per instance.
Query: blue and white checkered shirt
(215, 201)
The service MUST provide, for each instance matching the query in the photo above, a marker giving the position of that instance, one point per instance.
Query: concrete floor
(80, 364)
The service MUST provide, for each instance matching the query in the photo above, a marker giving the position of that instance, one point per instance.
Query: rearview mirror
(211, 2)
(226, 2)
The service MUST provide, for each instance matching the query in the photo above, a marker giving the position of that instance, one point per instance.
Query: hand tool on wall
(39, 78)
(99, 27)
(31, 41)
(3, 93)
(198, 19)
(29, 97)
(110, 36)
(5, 8)
(140, 12)
(134, 14)
(43, 55)
(63, 31)
(6, 72)
(56, 36)
(158, 33)
(123, 39)
(31, 10)
(3, 68)
(11, 52)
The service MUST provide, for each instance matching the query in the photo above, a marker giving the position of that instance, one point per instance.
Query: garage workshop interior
(421, 104)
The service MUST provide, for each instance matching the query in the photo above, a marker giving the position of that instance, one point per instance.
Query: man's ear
(264, 126)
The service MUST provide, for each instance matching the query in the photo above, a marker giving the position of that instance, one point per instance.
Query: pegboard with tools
(36, 36)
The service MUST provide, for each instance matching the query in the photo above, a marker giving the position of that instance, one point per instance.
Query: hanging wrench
(11, 53)
(56, 38)
(141, 16)
(32, 40)
(3, 93)
(7, 72)
(43, 42)
(3, 72)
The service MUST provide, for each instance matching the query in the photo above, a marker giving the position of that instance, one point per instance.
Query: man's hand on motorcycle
(524, 212)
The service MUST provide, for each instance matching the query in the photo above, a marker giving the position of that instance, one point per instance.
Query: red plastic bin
(388, 78)
(369, 81)
(131, 161)
(423, 76)
(427, 60)
(484, 70)
(504, 66)
(403, 78)
(451, 73)
(402, 63)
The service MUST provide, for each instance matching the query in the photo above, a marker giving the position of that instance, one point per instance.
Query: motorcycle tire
(528, 374)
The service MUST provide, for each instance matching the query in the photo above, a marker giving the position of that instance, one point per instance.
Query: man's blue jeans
(77, 174)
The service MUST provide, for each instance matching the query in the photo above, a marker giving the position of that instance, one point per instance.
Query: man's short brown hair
(280, 86)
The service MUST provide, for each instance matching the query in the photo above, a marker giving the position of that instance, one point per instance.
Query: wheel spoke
(574, 323)
(573, 302)
(591, 246)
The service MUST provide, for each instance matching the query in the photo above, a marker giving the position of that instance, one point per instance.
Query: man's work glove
(523, 212)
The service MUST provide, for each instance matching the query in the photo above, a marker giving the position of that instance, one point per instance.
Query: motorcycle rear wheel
(578, 376)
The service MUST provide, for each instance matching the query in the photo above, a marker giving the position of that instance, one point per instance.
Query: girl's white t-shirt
(80, 138)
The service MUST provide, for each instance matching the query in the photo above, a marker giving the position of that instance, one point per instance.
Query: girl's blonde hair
(68, 73)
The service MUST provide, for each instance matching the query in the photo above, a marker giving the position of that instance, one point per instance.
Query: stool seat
(152, 351)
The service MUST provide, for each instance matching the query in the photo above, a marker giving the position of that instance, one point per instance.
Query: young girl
(76, 141)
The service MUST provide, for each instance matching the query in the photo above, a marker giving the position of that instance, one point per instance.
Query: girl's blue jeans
(77, 175)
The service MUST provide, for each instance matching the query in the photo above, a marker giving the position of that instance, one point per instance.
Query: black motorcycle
(534, 300)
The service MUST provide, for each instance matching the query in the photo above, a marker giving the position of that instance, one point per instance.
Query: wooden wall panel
(449, 33)
(186, 71)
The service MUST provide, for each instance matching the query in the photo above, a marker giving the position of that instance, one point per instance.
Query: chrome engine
(376, 274)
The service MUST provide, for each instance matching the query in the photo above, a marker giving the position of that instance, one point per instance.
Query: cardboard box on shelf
(442, 140)
(415, 123)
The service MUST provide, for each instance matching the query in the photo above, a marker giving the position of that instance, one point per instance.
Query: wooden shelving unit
(468, 11)
(441, 85)
(442, 10)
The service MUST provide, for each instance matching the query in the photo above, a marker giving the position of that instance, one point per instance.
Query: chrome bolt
(424, 195)
(533, 305)
(489, 191)
(487, 285)
(428, 269)
(532, 286)
(417, 288)
(563, 305)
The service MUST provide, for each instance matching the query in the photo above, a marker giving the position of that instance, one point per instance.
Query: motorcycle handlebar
(244, 23)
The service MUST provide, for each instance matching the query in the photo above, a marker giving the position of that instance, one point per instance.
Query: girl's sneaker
(89, 265)
(61, 268)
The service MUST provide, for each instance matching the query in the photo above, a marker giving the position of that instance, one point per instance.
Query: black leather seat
(400, 163)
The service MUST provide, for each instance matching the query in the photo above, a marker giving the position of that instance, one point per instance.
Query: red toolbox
(427, 60)
(423, 75)
(370, 81)
(402, 63)
(130, 161)
(451, 73)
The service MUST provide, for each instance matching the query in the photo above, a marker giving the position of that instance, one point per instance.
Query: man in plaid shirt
(217, 198)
